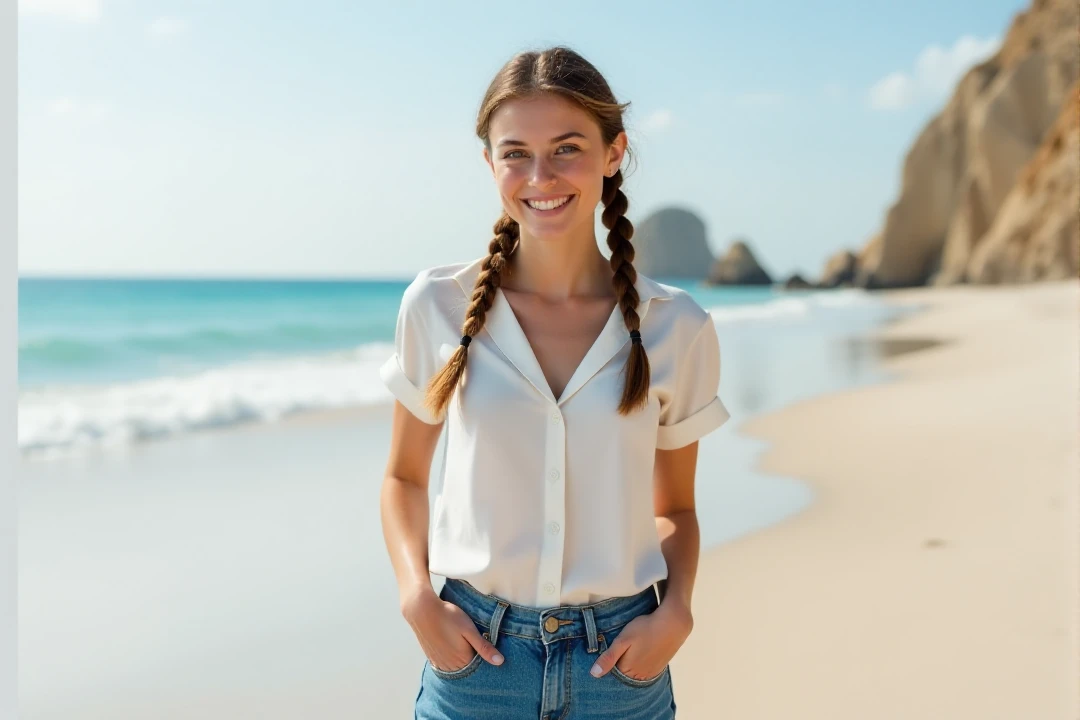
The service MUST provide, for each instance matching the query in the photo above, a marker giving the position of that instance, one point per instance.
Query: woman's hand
(447, 635)
(648, 642)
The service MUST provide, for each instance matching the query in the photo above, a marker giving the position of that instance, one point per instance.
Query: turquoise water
(102, 331)
(90, 331)
(121, 360)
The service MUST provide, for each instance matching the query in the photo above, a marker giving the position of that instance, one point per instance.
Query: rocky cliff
(966, 162)
(1036, 233)
(738, 266)
(671, 243)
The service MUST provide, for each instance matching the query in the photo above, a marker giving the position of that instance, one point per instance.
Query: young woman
(574, 391)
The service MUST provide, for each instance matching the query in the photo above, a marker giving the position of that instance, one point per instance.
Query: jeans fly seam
(569, 667)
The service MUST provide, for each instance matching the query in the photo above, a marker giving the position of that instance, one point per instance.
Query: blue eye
(510, 155)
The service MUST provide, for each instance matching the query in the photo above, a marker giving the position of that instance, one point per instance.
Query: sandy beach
(935, 573)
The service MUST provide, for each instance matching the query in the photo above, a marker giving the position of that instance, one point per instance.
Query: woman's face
(549, 163)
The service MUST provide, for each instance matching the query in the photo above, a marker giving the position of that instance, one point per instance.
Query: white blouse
(549, 501)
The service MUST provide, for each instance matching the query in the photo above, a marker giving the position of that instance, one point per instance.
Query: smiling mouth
(548, 205)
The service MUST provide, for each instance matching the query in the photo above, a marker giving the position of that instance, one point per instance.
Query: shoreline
(934, 573)
(87, 416)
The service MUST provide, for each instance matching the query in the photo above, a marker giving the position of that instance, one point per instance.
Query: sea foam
(56, 419)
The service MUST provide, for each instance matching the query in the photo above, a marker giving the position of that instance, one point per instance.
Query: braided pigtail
(620, 230)
(442, 386)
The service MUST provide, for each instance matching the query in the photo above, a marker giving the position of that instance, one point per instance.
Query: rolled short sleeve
(695, 408)
(407, 372)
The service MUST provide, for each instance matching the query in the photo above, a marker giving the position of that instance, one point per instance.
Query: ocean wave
(794, 308)
(74, 350)
(60, 350)
(57, 419)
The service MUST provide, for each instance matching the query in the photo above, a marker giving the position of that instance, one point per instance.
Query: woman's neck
(559, 269)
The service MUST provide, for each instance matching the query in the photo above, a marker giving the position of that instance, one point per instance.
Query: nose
(541, 174)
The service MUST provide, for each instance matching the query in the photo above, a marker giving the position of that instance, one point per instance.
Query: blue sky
(217, 138)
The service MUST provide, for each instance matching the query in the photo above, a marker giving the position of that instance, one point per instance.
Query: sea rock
(671, 243)
(1036, 234)
(867, 261)
(797, 282)
(965, 161)
(839, 270)
(738, 267)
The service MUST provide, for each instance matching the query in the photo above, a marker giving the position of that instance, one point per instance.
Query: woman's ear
(617, 150)
(487, 159)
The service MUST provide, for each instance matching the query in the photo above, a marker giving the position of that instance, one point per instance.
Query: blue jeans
(545, 673)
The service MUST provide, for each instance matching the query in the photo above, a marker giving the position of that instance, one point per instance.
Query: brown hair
(560, 71)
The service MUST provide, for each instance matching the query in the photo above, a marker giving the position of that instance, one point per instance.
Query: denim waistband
(500, 616)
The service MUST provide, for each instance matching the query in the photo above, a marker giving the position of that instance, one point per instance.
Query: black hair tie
(635, 337)
(465, 340)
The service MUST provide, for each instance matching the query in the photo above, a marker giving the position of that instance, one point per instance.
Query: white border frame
(9, 257)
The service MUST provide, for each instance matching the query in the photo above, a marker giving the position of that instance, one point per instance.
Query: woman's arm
(445, 633)
(676, 522)
(404, 501)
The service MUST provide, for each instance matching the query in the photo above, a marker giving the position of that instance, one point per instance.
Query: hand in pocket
(447, 635)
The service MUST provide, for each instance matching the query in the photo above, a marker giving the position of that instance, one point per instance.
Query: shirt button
(549, 588)
(554, 528)
(554, 474)
(556, 417)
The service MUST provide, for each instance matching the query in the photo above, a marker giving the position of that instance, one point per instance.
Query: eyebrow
(560, 138)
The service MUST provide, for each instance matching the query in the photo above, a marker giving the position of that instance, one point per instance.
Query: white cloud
(658, 120)
(167, 25)
(893, 92)
(81, 10)
(936, 72)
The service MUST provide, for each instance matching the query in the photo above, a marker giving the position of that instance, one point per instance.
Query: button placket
(549, 580)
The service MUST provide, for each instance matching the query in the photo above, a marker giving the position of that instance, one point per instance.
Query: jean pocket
(464, 672)
(623, 677)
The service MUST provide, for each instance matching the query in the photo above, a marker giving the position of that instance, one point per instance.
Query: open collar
(505, 331)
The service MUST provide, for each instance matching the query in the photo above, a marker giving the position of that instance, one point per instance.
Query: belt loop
(496, 620)
(590, 628)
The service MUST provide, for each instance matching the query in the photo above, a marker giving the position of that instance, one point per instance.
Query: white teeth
(547, 204)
